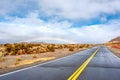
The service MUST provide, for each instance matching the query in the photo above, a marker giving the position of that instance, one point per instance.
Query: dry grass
(34, 56)
(1, 67)
(12, 61)
(2, 59)
(71, 49)
(31, 48)
(17, 61)
(5, 67)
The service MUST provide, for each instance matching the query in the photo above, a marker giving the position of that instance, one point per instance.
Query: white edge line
(35, 65)
(30, 67)
(38, 64)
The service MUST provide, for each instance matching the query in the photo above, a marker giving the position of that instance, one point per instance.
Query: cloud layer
(39, 20)
(79, 9)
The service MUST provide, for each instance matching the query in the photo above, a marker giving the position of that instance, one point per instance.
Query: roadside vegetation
(30, 48)
(21, 54)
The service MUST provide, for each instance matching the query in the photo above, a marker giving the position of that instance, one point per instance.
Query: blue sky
(59, 21)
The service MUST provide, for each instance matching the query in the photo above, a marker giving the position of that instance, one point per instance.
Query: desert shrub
(65, 46)
(51, 48)
(81, 46)
(9, 48)
(16, 63)
(2, 59)
(17, 60)
(56, 47)
(34, 56)
(1, 54)
(17, 48)
(5, 67)
(71, 49)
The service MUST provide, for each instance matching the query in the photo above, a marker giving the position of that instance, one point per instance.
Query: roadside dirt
(116, 51)
(11, 63)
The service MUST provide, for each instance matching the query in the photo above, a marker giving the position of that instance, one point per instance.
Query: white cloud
(79, 9)
(69, 9)
(33, 28)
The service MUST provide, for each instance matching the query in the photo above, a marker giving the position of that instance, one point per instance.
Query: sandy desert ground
(14, 62)
(116, 51)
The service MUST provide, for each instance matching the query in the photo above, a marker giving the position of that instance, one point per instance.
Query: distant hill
(115, 40)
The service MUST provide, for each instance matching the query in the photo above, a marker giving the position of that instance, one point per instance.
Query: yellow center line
(77, 73)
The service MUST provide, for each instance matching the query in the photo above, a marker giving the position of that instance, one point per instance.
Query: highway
(96, 63)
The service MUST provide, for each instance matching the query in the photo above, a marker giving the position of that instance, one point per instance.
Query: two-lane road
(103, 66)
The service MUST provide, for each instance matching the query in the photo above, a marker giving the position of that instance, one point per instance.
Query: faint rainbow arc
(49, 38)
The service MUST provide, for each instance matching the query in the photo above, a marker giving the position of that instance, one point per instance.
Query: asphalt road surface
(103, 66)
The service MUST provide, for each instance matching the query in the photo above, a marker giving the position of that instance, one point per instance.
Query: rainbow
(50, 40)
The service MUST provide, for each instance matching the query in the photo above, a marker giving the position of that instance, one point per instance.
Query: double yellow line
(76, 74)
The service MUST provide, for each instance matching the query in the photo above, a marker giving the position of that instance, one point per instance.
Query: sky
(59, 21)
